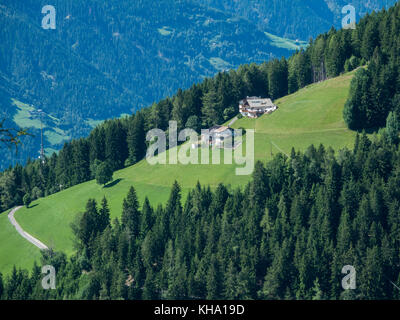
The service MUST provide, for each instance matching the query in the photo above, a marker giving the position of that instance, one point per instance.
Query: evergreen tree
(116, 150)
(104, 215)
(131, 214)
(27, 200)
(136, 139)
(104, 173)
(212, 108)
(393, 127)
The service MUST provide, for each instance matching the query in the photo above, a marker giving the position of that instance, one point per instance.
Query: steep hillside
(296, 19)
(313, 115)
(107, 58)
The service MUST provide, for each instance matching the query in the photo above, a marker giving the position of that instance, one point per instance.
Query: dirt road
(24, 234)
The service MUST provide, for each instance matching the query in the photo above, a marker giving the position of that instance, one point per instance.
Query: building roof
(260, 103)
(257, 103)
(220, 131)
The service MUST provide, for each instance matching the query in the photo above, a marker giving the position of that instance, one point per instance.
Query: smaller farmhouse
(253, 107)
(217, 136)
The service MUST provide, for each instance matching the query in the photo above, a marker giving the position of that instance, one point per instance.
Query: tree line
(285, 235)
(121, 142)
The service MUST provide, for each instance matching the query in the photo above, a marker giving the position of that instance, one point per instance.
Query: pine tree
(317, 293)
(136, 139)
(393, 127)
(116, 150)
(147, 218)
(230, 290)
(179, 111)
(212, 108)
(213, 280)
(172, 218)
(150, 290)
(104, 173)
(131, 214)
(370, 39)
(88, 223)
(278, 78)
(104, 215)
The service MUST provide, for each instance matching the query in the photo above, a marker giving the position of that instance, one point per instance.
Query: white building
(217, 136)
(253, 107)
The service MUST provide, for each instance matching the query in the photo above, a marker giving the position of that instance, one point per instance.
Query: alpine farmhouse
(253, 107)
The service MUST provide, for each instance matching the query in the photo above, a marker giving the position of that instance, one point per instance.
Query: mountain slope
(313, 115)
(107, 58)
(296, 19)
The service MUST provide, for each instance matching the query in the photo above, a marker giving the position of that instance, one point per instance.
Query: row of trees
(285, 235)
(375, 92)
(122, 142)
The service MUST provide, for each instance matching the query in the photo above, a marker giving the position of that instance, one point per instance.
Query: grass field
(23, 118)
(313, 115)
(14, 250)
(286, 43)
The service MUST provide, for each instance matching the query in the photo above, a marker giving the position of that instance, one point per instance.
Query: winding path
(24, 234)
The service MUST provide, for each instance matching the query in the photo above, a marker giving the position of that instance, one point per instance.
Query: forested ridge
(121, 142)
(107, 58)
(296, 18)
(285, 235)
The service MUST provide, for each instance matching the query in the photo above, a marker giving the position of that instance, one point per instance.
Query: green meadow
(313, 115)
(286, 43)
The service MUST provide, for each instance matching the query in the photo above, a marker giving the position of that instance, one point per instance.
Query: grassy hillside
(91, 68)
(313, 115)
(14, 250)
(286, 43)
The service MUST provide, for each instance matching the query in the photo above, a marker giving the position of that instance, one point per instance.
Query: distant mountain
(295, 19)
(108, 58)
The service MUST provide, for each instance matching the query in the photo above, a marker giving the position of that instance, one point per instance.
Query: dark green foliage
(136, 139)
(194, 123)
(131, 214)
(27, 200)
(354, 112)
(212, 108)
(393, 127)
(374, 90)
(94, 68)
(104, 173)
(351, 64)
(372, 96)
(280, 237)
(285, 235)
(295, 19)
(278, 78)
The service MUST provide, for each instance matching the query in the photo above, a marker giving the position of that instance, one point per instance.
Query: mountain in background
(295, 19)
(110, 58)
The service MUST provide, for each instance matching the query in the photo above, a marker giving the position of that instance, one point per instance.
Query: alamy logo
(49, 281)
(349, 21)
(49, 20)
(349, 281)
(218, 138)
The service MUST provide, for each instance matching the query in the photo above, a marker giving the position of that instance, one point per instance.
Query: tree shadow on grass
(112, 184)
(32, 206)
